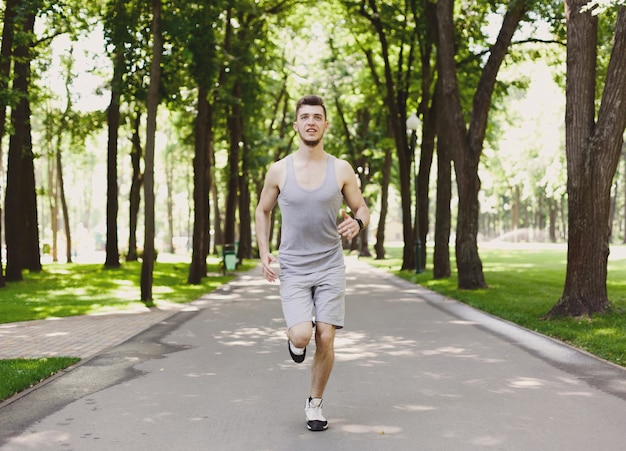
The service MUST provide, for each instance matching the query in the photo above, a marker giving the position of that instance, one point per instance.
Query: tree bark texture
(64, 207)
(6, 51)
(20, 197)
(112, 258)
(593, 150)
(136, 184)
(443, 221)
(149, 256)
(201, 185)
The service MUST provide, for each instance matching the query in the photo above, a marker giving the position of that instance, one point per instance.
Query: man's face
(311, 124)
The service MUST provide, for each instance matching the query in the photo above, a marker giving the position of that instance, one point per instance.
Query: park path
(414, 371)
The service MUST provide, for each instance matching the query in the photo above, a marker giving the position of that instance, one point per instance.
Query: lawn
(524, 284)
(17, 375)
(78, 289)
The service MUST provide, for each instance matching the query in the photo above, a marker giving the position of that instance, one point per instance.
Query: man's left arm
(354, 199)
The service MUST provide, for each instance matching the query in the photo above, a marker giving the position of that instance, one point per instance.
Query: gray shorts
(321, 294)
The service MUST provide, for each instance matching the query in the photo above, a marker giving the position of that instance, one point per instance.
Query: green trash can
(230, 257)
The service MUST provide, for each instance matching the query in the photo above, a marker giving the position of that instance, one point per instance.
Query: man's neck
(305, 152)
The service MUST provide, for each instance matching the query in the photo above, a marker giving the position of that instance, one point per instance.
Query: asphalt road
(414, 371)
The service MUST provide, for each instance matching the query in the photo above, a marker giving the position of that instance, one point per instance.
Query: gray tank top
(309, 238)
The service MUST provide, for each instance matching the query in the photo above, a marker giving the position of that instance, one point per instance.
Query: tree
(115, 22)
(396, 92)
(22, 235)
(152, 103)
(593, 148)
(6, 51)
(203, 71)
(466, 143)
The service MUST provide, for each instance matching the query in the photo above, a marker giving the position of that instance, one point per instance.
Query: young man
(310, 187)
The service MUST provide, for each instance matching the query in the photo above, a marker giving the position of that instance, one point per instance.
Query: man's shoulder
(278, 165)
(343, 166)
(276, 171)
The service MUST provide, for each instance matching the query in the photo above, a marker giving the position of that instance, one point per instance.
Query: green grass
(17, 375)
(78, 289)
(524, 284)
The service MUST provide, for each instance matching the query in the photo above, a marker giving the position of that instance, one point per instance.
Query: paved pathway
(414, 371)
(77, 336)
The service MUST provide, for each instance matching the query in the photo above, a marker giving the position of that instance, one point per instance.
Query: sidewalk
(413, 371)
(78, 336)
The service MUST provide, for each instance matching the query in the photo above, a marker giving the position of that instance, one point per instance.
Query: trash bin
(230, 257)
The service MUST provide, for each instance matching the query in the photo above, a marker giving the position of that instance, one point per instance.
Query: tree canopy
(201, 99)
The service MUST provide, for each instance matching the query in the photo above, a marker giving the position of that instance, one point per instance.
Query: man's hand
(268, 272)
(348, 228)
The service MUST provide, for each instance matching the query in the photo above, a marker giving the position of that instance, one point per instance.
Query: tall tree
(396, 91)
(593, 148)
(467, 143)
(149, 256)
(202, 47)
(22, 234)
(116, 22)
(6, 51)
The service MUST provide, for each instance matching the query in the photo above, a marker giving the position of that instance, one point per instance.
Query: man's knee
(300, 334)
(325, 335)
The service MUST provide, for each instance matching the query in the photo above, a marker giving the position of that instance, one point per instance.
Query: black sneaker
(315, 421)
(298, 358)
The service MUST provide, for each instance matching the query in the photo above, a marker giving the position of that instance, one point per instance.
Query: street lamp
(412, 124)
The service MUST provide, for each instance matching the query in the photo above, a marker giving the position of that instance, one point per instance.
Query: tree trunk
(593, 152)
(149, 256)
(245, 217)
(53, 181)
(201, 186)
(64, 209)
(136, 154)
(169, 183)
(468, 144)
(379, 247)
(5, 75)
(443, 222)
(235, 136)
(218, 234)
(20, 197)
(112, 259)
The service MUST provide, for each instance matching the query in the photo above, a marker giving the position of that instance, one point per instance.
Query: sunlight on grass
(524, 284)
(17, 375)
(76, 289)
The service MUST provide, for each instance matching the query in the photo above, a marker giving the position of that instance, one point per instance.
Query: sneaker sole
(296, 358)
(317, 426)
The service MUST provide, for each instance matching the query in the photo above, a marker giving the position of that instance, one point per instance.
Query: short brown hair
(311, 100)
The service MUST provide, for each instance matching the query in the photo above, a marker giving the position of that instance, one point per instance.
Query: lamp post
(412, 124)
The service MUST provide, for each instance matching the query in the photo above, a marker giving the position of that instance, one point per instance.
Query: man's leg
(300, 334)
(324, 358)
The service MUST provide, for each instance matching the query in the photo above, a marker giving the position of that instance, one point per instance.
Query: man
(310, 187)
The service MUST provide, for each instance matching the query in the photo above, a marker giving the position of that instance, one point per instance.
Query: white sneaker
(315, 421)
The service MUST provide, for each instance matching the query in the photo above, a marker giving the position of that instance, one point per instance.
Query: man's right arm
(267, 202)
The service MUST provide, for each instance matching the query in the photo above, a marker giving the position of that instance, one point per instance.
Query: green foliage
(524, 284)
(17, 375)
(77, 289)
